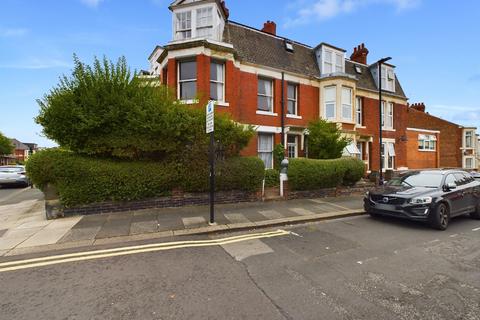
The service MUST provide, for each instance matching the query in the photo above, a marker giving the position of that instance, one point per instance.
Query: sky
(434, 44)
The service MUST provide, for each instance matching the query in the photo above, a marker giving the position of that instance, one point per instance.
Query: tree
(6, 146)
(325, 140)
(105, 110)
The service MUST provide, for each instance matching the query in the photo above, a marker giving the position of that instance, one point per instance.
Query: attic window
(289, 46)
(358, 69)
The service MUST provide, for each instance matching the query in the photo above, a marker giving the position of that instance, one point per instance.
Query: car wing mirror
(451, 186)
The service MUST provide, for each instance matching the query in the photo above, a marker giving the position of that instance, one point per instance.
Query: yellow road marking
(97, 254)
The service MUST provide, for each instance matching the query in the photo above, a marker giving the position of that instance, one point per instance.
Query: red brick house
(458, 144)
(280, 85)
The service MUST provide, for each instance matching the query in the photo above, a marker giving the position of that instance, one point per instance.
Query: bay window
(204, 22)
(359, 111)
(184, 25)
(187, 80)
(330, 94)
(265, 149)
(265, 95)
(217, 81)
(347, 108)
(388, 78)
(292, 101)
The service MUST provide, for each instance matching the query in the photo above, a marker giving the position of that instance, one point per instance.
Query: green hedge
(272, 178)
(83, 180)
(310, 174)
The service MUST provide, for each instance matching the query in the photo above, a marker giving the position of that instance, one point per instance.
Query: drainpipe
(283, 110)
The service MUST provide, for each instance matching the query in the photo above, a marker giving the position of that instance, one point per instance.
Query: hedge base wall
(178, 199)
(341, 191)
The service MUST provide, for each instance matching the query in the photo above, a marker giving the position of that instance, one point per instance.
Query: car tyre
(440, 217)
(476, 214)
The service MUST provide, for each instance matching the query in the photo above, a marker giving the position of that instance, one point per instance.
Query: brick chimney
(418, 106)
(360, 54)
(270, 27)
(225, 9)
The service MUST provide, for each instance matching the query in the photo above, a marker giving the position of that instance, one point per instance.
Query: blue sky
(434, 44)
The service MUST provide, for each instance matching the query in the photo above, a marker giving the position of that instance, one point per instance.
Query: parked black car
(433, 196)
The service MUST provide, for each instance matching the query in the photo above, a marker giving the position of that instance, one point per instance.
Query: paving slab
(2, 232)
(193, 222)
(7, 243)
(271, 214)
(22, 232)
(147, 226)
(80, 234)
(115, 228)
(236, 218)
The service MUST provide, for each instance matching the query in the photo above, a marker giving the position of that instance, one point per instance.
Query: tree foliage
(325, 140)
(6, 146)
(105, 110)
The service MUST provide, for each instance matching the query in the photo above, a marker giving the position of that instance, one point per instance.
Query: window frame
(337, 60)
(350, 105)
(178, 23)
(292, 144)
(206, 26)
(216, 82)
(259, 151)
(180, 81)
(469, 134)
(387, 113)
(359, 111)
(325, 102)
(427, 142)
(271, 96)
(294, 100)
(387, 158)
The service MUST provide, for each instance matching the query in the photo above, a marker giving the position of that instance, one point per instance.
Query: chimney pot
(359, 54)
(270, 27)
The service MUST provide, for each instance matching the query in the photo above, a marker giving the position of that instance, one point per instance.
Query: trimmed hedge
(272, 178)
(311, 174)
(84, 180)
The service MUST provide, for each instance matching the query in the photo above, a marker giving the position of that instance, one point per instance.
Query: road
(353, 268)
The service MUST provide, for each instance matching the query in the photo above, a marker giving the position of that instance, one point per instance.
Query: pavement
(348, 268)
(24, 228)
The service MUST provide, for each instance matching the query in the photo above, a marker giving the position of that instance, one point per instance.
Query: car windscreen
(421, 179)
(10, 170)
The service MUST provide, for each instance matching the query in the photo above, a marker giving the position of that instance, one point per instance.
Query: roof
(261, 48)
(257, 47)
(18, 145)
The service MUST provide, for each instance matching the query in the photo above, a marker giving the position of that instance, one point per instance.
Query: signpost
(210, 130)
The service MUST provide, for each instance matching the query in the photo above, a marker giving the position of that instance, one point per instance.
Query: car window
(450, 179)
(461, 178)
(11, 169)
(418, 179)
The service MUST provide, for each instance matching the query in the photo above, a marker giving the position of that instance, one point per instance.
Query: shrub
(83, 180)
(278, 155)
(325, 140)
(310, 174)
(104, 110)
(272, 178)
(6, 146)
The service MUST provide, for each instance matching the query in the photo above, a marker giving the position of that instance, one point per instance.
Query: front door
(292, 146)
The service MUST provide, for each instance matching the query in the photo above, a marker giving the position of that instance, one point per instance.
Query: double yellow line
(98, 254)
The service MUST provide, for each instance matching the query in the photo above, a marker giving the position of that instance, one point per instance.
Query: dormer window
(330, 59)
(204, 22)
(388, 78)
(184, 25)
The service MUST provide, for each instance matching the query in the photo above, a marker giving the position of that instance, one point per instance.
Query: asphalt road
(12, 195)
(354, 268)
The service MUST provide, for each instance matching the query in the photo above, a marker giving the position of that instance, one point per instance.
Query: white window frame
(388, 78)
(178, 22)
(206, 26)
(472, 164)
(387, 156)
(270, 97)
(347, 104)
(294, 100)
(359, 111)
(360, 148)
(387, 115)
(222, 63)
(471, 139)
(334, 102)
(180, 81)
(260, 151)
(293, 145)
(427, 142)
(336, 63)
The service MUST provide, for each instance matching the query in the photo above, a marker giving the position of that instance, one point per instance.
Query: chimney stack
(270, 27)
(418, 106)
(359, 54)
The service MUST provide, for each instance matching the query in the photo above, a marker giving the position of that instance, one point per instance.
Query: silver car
(13, 176)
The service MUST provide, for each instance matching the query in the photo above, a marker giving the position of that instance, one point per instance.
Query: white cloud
(13, 32)
(326, 9)
(92, 3)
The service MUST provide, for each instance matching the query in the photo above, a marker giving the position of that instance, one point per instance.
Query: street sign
(210, 116)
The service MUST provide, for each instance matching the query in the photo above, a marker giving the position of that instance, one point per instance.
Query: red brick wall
(450, 135)
(417, 159)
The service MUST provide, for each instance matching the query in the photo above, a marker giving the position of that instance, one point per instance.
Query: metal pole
(212, 177)
(380, 181)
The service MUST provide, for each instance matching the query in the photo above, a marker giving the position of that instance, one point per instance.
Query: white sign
(210, 116)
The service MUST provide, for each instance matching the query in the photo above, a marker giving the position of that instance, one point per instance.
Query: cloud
(36, 64)
(92, 3)
(322, 10)
(12, 32)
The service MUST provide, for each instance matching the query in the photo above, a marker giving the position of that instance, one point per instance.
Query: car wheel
(476, 213)
(440, 217)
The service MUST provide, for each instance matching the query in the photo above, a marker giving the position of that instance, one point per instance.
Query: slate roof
(257, 47)
(18, 145)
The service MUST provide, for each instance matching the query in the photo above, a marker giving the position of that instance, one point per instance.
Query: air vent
(289, 46)
(358, 69)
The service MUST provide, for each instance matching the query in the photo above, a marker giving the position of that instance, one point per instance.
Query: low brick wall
(178, 199)
(340, 191)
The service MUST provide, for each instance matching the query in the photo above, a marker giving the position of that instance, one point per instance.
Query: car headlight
(421, 200)
(367, 194)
